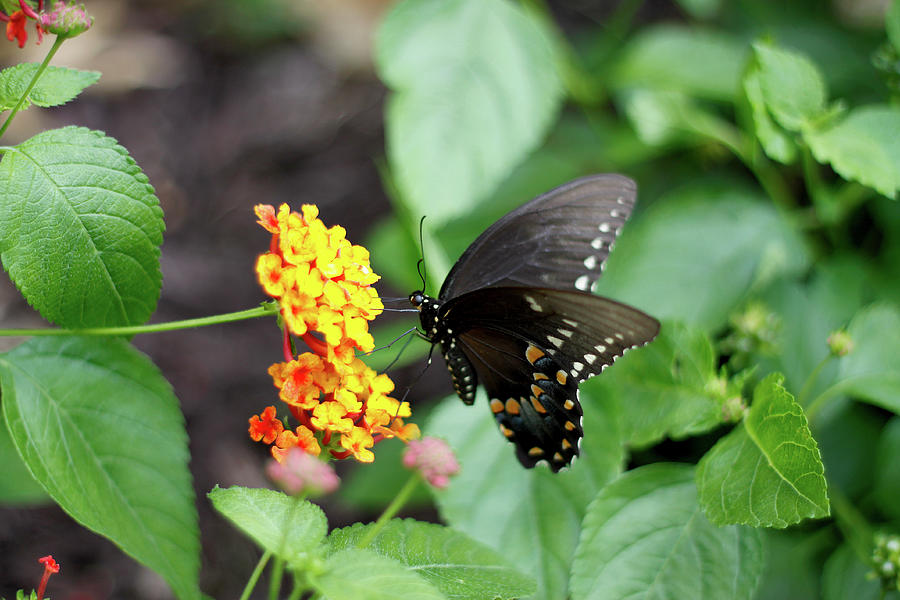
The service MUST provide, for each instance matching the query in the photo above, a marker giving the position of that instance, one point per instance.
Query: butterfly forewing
(531, 347)
(558, 240)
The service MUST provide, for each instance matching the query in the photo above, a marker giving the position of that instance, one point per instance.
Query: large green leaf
(767, 472)
(460, 567)
(887, 471)
(694, 254)
(646, 537)
(99, 428)
(355, 574)
(291, 528)
(531, 516)
(845, 576)
(863, 147)
(80, 229)
(663, 389)
(695, 61)
(17, 486)
(56, 86)
(475, 89)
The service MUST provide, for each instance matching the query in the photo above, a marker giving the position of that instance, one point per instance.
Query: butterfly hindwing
(531, 347)
(535, 403)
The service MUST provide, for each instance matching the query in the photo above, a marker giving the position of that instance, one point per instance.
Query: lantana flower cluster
(323, 284)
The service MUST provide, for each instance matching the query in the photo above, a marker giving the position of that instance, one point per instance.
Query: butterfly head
(429, 309)
(417, 299)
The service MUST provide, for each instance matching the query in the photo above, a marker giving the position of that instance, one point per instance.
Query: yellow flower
(358, 441)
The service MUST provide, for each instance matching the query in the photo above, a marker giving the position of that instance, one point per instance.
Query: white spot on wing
(597, 243)
(590, 358)
(590, 262)
(554, 340)
(570, 322)
(532, 303)
(583, 283)
(566, 332)
(615, 214)
(600, 348)
(604, 227)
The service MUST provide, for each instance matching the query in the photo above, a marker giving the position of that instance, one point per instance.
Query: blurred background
(237, 102)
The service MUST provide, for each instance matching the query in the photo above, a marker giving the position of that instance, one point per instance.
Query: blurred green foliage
(764, 139)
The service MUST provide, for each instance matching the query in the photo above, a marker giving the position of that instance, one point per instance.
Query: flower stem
(254, 577)
(392, 509)
(37, 75)
(252, 313)
(275, 580)
(802, 400)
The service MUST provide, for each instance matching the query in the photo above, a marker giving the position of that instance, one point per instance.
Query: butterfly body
(514, 314)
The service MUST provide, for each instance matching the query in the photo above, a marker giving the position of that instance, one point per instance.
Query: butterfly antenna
(391, 343)
(420, 266)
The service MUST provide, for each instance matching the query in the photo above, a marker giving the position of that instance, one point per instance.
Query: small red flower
(265, 426)
(50, 567)
(15, 28)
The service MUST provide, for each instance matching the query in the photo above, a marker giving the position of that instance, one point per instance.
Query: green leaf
(662, 117)
(794, 562)
(533, 516)
(751, 244)
(475, 90)
(663, 389)
(776, 143)
(355, 574)
(863, 147)
(99, 428)
(844, 577)
(691, 60)
(892, 24)
(791, 85)
(847, 433)
(80, 229)
(17, 486)
(289, 527)
(871, 371)
(454, 563)
(767, 472)
(645, 537)
(887, 471)
(56, 86)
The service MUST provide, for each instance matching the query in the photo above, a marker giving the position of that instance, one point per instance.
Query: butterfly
(516, 314)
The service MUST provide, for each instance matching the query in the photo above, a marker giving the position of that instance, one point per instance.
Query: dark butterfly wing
(531, 347)
(560, 239)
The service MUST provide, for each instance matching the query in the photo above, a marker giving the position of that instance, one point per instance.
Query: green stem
(810, 381)
(392, 509)
(37, 75)
(299, 588)
(266, 310)
(816, 405)
(275, 579)
(853, 525)
(254, 577)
